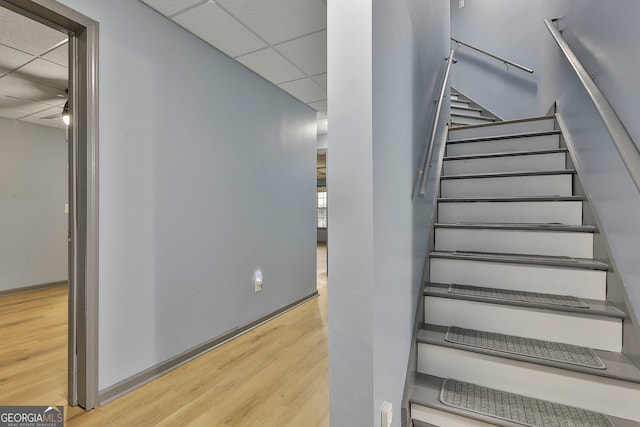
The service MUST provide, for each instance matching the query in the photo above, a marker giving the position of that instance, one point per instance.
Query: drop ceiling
(284, 41)
(33, 70)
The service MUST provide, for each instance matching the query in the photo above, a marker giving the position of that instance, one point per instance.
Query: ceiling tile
(277, 21)
(59, 55)
(24, 89)
(38, 119)
(305, 90)
(218, 28)
(44, 72)
(320, 107)
(10, 59)
(321, 79)
(13, 108)
(170, 7)
(309, 53)
(271, 65)
(24, 34)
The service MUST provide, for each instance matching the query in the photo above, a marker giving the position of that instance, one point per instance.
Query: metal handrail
(506, 61)
(421, 179)
(623, 142)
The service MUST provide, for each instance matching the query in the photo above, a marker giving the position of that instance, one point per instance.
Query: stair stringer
(433, 188)
(616, 291)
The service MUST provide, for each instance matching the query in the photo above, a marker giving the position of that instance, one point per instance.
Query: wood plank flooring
(275, 375)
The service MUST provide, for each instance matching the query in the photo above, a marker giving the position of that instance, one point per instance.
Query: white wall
(603, 35)
(33, 192)
(385, 58)
(507, 28)
(207, 172)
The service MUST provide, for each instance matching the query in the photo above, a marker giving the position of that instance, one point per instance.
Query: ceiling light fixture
(66, 118)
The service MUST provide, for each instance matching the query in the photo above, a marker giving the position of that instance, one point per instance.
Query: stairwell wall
(33, 192)
(508, 29)
(603, 37)
(385, 60)
(207, 173)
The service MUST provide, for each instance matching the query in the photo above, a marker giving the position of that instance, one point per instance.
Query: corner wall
(207, 173)
(33, 193)
(603, 37)
(509, 29)
(385, 60)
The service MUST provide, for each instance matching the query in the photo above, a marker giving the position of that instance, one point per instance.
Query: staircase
(515, 313)
(465, 112)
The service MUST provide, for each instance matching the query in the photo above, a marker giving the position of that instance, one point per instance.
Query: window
(322, 207)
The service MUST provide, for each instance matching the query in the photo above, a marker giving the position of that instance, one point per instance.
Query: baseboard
(127, 385)
(31, 288)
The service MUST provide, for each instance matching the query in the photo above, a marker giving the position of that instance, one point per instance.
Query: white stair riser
(533, 242)
(598, 332)
(465, 111)
(511, 186)
(580, 283)
(604, 395)
(503, 129)
(443, 418)
(467, 120)
(454, 97)
(531, 162)
(562, 212)
(509, 145)
(458, 103)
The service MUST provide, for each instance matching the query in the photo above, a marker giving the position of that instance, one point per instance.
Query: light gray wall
(385, 59)
(603, 35)
(33, 192)
(510, 29)
(207, 173)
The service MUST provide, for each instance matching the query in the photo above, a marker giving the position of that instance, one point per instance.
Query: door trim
(84, 197)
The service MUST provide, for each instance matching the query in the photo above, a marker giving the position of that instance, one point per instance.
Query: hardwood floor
(275, 375)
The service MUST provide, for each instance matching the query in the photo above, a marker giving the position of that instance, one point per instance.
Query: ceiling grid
(284, 41)
(33, 70)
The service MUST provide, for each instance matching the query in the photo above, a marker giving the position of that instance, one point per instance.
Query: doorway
(83, 191)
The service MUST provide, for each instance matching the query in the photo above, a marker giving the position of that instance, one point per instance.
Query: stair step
(593, 331)
(582, 279)
(425, 406)
(506, 258)
(547, 140)
(466, 111)
(505, 184)
(537, 124)
(459, 103)
(510, 226)
(595, 307)
(587, 391)
(562, 210)
(568, 241)
(465, 119)
(533, 160)
(617, 365)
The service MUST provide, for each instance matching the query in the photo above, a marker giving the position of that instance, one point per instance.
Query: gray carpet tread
(426, 392)
(513, 226)
(553, 261)
(520, 409)
(556, 352)
(618, 366)
(596, 307)
(505, 154)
